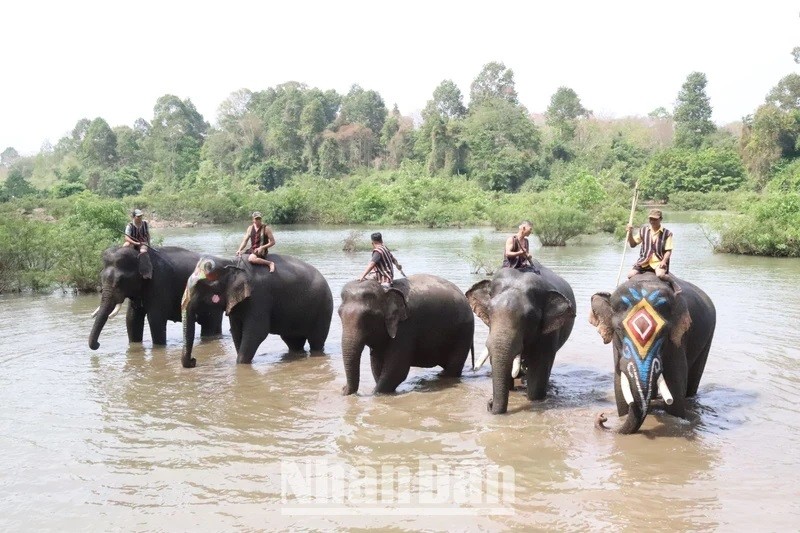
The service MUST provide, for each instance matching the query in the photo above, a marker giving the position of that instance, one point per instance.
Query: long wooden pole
(627, 231)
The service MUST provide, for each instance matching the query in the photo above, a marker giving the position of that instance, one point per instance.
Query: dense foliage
(304, 154)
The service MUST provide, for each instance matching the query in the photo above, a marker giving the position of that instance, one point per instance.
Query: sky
(66, 60)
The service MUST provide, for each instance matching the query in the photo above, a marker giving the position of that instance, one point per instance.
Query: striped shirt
(382, 257)
(258, 237)
(654, 245)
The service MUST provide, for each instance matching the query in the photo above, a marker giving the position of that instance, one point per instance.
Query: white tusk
(94, 313)
(114, 312)
(664, 390)
(625, 385)
(482, 359)
(516, 365)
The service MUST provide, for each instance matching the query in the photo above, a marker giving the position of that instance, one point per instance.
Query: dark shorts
(262, 255)
(646, 268)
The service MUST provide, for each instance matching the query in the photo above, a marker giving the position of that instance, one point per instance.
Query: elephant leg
(675, 375)
(134, 322)
(376, 362)
(394, 372)
(696, 371)
(254, 332)
(236, 333)
(539, 366)
(295, 344)
(158, 328)
(210, 324)
(319, 334)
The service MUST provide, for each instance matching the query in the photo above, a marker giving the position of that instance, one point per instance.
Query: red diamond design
(642, 326)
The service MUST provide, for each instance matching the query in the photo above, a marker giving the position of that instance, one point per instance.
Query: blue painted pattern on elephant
(642, 325)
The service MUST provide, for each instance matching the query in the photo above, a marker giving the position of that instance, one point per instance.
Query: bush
(771, 226)
(699, 201)
(554, 224)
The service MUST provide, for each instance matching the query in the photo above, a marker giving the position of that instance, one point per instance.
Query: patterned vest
(258, 237)
(384, 271)
(140, 234)
(649, 247)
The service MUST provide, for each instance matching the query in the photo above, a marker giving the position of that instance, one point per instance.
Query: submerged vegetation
(306, 155)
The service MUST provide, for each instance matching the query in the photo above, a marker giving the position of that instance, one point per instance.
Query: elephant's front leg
(254, 332)
(134, 322)
(539, 365)
(376, 362)
(394, 370)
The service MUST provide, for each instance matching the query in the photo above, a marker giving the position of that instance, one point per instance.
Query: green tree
(494, 81)
(768, 136)
(17, 185)
(786, 94)
(563, 113)
(9, 157)
(99, 145)
(177, 135)
(363, 107)
(693, 113)
(502, 143)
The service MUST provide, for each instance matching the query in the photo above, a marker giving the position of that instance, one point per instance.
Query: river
(124, 438)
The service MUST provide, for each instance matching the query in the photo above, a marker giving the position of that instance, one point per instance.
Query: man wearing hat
(258, 239)
(656, 241)
(137, 234)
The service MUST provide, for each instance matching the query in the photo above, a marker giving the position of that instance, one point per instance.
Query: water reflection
(128, 438)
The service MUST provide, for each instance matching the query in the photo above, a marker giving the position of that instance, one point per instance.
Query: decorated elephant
(154, 289)
(529, 315)
(422, 321)
(294, 302)
(661, 341)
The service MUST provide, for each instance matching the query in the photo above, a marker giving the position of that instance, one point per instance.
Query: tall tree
(786, 94)
(693, 113)
(9, 157)
(503, 144)
(363, 107)
(494, 81)
(178, 132)
(99, 145)
(563, 113)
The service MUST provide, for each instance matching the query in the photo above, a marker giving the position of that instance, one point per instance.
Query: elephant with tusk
(661, 342)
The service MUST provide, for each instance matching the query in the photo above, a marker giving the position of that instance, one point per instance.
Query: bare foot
(272, 267)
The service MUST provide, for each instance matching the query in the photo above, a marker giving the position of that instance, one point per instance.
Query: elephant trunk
(503, 349)
(101, 315)
(351, 355)
(632, 423)
(636, 410)
(189, 317)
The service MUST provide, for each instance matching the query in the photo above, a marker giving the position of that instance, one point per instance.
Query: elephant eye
(208, 266)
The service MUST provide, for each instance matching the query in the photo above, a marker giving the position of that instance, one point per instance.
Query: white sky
(69, 59)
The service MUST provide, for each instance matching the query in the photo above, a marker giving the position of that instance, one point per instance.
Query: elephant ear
(396, 310)
(600, 315)
(238, 289)
(478, 297)
(145, 266)
(682, 323)
(558, 309)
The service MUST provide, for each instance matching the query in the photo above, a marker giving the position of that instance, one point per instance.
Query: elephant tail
(472, 351)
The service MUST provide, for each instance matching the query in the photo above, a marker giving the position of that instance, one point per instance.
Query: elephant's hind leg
(317, 338)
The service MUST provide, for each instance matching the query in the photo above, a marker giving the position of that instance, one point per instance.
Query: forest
(303, 154)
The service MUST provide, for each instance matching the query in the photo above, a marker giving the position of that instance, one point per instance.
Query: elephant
(661, 342)
(529, 315)
(421, 321)
(294, 302)
(157, 298)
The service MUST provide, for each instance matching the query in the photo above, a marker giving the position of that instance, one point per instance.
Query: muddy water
(125, 438)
